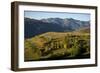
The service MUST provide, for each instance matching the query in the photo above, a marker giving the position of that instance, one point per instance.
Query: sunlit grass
(57, 44)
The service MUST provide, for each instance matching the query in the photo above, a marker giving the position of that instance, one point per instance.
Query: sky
(43, 15)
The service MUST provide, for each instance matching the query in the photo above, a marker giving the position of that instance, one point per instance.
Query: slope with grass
(58, 45)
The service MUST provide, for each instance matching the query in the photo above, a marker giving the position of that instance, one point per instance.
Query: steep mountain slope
(35, 27)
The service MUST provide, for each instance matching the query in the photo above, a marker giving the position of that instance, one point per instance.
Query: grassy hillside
(57, 45)
(84, 30)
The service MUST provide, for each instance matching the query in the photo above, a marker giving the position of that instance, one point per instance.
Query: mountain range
(35, 27)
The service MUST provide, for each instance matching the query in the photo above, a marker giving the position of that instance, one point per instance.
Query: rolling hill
(57, 45)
